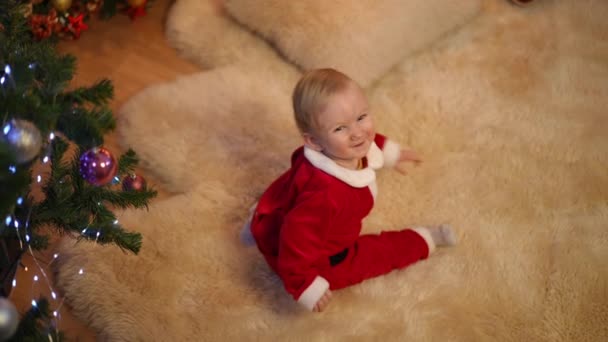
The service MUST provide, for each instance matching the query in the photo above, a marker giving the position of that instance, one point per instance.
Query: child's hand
(407, 156)
(323, 302)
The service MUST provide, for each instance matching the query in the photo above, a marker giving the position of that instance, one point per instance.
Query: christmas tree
(55, 176)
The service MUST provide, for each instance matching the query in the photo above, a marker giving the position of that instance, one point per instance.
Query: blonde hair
(311, 93)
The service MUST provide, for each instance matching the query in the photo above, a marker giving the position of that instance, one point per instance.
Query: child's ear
(311, 142)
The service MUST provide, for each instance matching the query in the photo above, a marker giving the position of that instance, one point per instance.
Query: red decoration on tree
(133, 182)
(98, 166)
(76, 25)
(43, 26)
(94, 6)
(137, 9)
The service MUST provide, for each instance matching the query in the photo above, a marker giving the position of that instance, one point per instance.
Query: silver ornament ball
(9, 319)
(23, 138)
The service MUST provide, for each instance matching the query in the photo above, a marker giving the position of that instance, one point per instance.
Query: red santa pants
(377, 254)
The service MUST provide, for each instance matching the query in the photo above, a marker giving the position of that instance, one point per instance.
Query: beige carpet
(508, 108)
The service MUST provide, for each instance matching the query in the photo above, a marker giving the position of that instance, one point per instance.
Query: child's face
(345, 129)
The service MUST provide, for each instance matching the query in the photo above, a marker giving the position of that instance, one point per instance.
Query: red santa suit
(307, 225)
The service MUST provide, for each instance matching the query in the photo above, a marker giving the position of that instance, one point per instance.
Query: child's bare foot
(443, 235)
(323, 302)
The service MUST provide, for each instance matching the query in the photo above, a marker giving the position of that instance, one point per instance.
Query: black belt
(338, 258)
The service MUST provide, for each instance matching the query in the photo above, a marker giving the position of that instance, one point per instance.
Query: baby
(307, 224)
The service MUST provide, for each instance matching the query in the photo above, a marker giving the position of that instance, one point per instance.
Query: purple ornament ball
(98, 166)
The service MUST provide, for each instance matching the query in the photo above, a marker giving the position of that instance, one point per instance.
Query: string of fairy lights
(22, 227)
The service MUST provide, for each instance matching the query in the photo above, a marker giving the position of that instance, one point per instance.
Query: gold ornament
(61, 5)
(136, 3)
(27, 10)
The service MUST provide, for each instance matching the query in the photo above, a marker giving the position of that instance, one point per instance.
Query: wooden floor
(133, 55)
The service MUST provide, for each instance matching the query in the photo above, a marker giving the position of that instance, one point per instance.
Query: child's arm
(407, 156)
(301, 244)
(394, 155)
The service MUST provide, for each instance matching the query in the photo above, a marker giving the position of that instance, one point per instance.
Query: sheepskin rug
(507, 108)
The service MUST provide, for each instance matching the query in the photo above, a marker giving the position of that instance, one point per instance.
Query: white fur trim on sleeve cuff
(391, 151)
(426, 235)
(313, 293)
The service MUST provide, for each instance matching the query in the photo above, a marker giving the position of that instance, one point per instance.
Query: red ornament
(76, 25)
(98, 166)
(42, 25)
(137, 8)
(133, 182)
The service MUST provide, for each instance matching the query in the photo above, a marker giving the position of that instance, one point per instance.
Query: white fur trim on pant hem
(391, 151)
(246, 236)
(426, 235)
(313, 293)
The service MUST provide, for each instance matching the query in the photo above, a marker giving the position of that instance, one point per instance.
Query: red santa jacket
(314, 210)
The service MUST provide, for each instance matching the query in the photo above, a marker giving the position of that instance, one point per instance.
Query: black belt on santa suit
(338, 257)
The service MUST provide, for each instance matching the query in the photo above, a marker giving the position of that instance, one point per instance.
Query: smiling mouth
(359, 144)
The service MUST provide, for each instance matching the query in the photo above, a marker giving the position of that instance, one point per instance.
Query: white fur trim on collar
(355, 178)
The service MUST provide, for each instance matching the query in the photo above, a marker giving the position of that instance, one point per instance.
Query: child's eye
(362, 117)
(338, 129)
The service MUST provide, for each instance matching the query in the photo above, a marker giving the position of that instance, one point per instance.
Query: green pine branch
(108, 9)
(86, 127)
(78, 118)
(98, 94)
(36, 325)
(127, 162)
(35, 90)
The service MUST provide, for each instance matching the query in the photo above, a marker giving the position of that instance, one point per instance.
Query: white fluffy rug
(509, 112)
